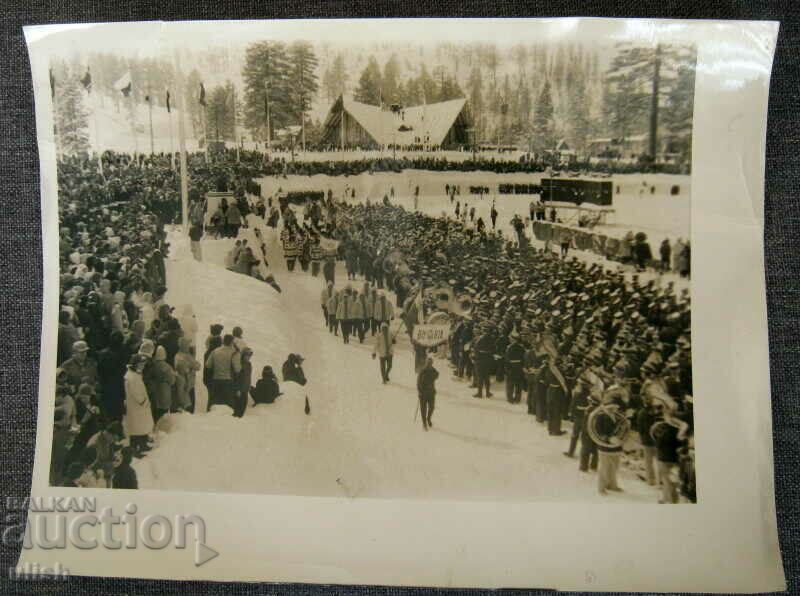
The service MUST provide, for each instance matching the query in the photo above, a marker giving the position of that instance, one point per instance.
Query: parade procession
(387, 290)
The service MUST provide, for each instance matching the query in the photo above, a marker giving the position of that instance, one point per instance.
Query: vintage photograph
(376, 269)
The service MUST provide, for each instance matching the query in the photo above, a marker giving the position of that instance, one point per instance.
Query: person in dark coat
(243, 384)
(515, 376)
(293, 369)
(556, 394)
(124, 474)
(426, 387)
(112, 364)
(266, 390)
(484, 348)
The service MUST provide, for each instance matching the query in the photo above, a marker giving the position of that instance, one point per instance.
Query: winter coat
(119, 319)
(112, 368)
(383, 311)
(293, 371)
(327, 294)
(233, 216)
(426, 381)
(265, 391)
(384, 344)
(163, 380)
(76, 371)
(186, 368)
(138, 416)
(365, 306)
(345, 309)
(358, 307)
(224, 363)
(333, 304)
(124, 477)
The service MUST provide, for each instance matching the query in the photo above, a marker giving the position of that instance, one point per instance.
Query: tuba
(462, 306)
(442, 297)
(620, 430)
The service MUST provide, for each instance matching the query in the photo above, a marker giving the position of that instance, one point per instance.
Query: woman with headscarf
(124, 474)
(148, 313)
(119, 318)
(138, 414)
(163, 381)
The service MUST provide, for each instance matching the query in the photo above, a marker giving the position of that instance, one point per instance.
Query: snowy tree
(267, 91)
(335, 79)
(220, 112)
(72, 120)
(369, 84)
(391, 80)
(543, 126)
(679, 109)
(302, 80)
(475, 90)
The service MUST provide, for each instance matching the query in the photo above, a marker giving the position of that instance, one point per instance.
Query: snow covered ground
(361, 438)
(659, 215)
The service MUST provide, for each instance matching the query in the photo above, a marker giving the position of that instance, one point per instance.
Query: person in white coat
(384, 348)
(138, 414)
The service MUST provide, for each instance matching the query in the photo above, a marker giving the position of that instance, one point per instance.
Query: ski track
(361, 439)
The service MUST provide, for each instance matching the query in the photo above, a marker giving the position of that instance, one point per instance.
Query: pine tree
(679, 109)
(390, 81)
(543, 127)
(475, 90)
(266, 79)
(302, 80)
(335, 79)
(369, 84)
(72, 120)
(220, 113)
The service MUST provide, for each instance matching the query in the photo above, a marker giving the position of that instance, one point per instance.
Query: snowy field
(659, 215)
(361, 438)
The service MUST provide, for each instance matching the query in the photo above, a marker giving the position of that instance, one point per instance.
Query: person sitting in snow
(266, 390)
(293, 370)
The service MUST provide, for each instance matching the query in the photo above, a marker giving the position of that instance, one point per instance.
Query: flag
(147, 98)
(202, 95)
(52, 85)
(168, 108)
(124, 84)
(86, 81)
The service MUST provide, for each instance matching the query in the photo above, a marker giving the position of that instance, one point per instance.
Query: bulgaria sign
(431, 336)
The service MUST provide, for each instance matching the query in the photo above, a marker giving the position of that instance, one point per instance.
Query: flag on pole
(202, 99)
(86, 81)
(168, 107)
(124, 84)
(52, 85)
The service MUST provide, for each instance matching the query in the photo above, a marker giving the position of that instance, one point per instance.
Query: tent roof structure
(430, 122)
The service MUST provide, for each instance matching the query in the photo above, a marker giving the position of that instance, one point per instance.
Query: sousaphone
(442, 297)
(463, 306)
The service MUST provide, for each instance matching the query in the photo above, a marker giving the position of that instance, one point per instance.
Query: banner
(431, 336)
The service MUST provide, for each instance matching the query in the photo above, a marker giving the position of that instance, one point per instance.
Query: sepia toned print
(417, 270)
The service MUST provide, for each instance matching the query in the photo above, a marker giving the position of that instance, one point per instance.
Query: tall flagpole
(171, 140)
(182, 145)
(235, 135)
(150, 116)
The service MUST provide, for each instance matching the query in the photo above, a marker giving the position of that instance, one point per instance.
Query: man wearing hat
(515, 376)
(80, 367)
(483, 349)
(384, 348)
